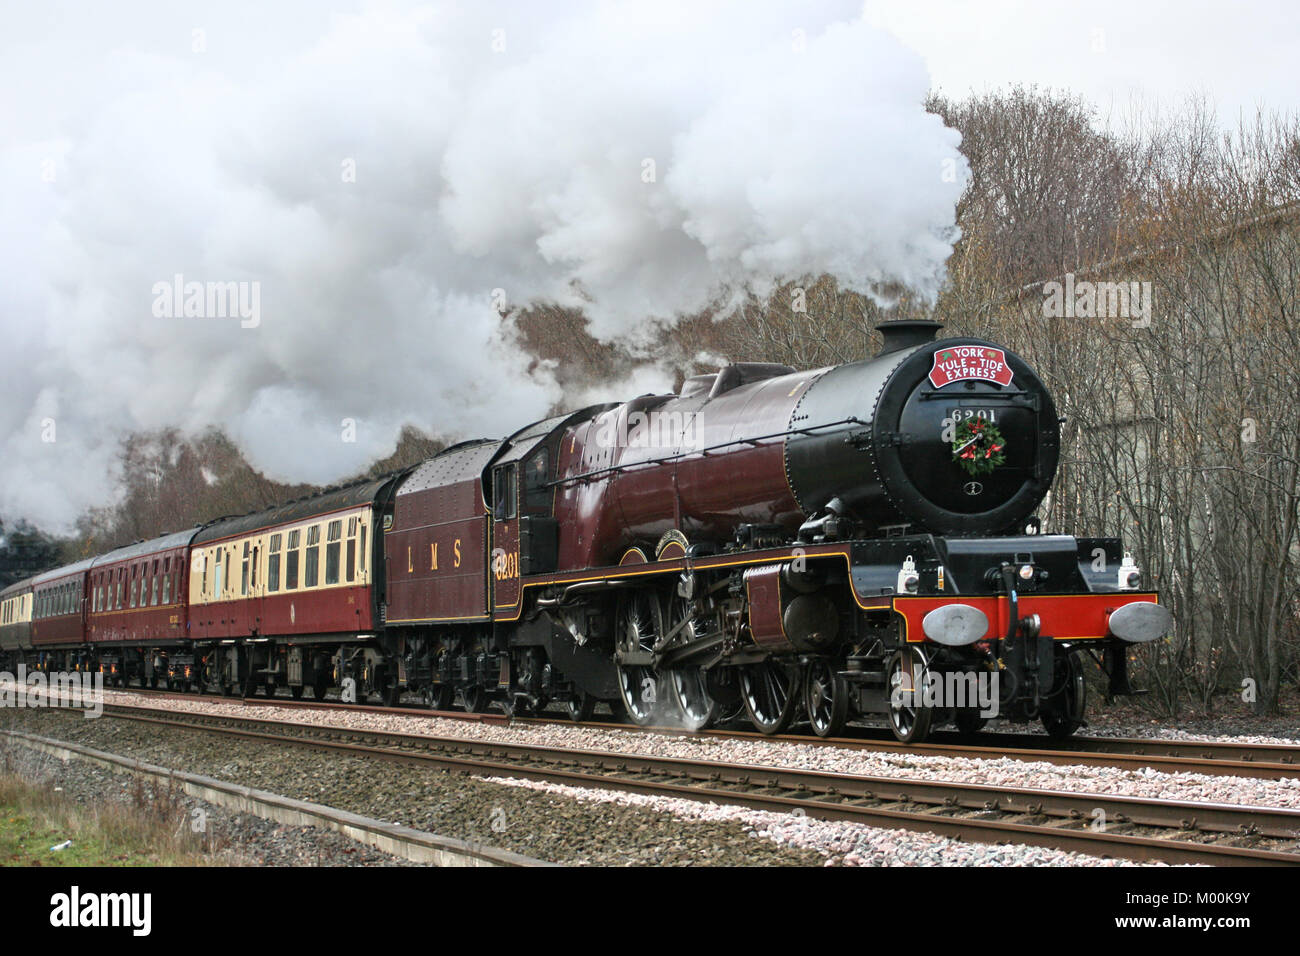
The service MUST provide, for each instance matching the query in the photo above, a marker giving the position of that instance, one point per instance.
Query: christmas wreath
(978, 446)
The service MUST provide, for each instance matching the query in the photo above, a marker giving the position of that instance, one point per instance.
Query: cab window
(537, 494)
(503, 486)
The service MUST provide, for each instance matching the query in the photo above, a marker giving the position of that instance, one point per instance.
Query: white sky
(1111, 51)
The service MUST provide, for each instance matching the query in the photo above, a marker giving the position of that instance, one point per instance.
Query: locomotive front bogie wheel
(826, 698)
(909, 718)
(770, 691)
(968, 721)
(580, 706)
(640, 621)
(1064, 712)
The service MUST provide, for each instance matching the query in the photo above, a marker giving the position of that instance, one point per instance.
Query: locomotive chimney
(906, 333)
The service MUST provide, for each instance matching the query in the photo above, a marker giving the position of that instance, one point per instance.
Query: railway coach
(291, 596)
(59, 617)
(137, 622)
(15, 623)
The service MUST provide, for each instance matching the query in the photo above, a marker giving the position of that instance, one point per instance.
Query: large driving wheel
(639, 624)
(826, 697)
(689, 685)
(770, 691)
(695, 705)
(909, 718)
(1064, 713)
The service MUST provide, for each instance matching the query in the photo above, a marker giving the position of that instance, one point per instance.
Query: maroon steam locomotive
(787, 545)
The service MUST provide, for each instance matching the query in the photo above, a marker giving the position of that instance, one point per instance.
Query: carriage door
(250, 583)
(505, 536)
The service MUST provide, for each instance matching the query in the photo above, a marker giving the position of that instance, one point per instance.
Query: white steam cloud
(388, 173)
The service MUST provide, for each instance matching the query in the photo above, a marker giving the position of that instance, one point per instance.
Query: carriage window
(243, 577)
(273, 563)
(535, 491)
(217, 575)
(333, 548)
(153, 600)
(311, 572)
(291, 561)
(361, 549)
(167, 589)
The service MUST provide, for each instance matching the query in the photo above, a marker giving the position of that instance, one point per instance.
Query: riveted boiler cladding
(790, 546)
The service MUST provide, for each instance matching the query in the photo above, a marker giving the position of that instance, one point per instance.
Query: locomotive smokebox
(956, 437)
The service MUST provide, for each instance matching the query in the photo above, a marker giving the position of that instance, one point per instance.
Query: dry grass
(144, 826)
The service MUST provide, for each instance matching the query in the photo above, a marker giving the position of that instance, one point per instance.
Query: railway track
(1260, 761)
(1214, 758)
(1134, 828)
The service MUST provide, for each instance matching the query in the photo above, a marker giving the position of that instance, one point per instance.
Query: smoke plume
(382, 180)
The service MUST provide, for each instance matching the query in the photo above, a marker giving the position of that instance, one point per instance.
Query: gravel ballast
(1007, 771)
(556, 824)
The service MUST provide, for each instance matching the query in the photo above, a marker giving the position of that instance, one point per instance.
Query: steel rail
(1260, 761)
(938, 807)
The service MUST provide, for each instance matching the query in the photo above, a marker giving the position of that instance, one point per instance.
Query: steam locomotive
(789, 546)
